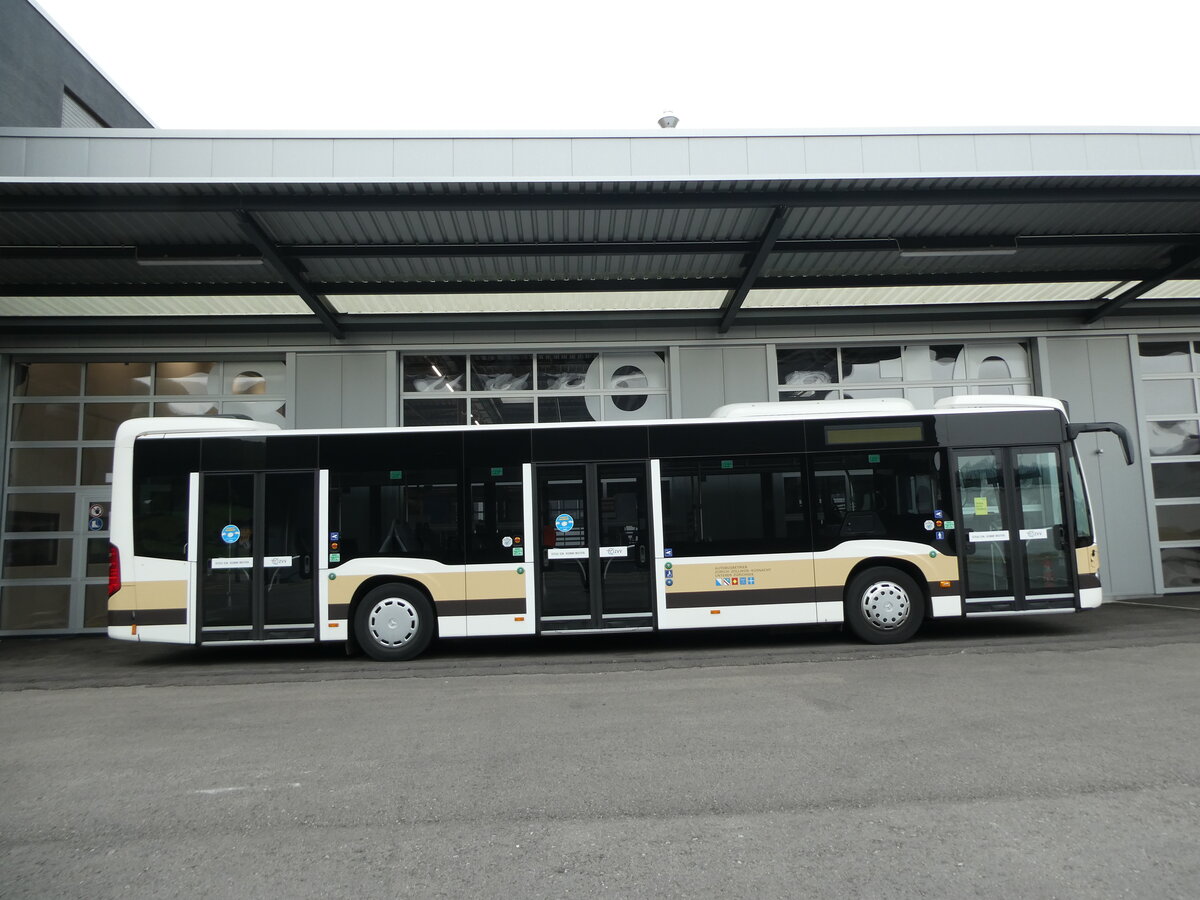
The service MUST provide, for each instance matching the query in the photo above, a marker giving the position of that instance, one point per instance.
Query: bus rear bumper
(1090, 598)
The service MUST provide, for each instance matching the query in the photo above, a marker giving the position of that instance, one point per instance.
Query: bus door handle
(641, 554)
(1060, 537)
(306, 565)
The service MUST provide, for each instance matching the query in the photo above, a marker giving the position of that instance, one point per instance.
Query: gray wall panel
(363, 159)
(718, 156)
(1113, 151)
(1065, 152)
(775, 156)
(891, 153)
(600, 157)
(712, 377)
(302, 158)
(121, 157)
(12, 156)
(1004, 153)
(947, 153)
(834, 154)
(745, 375)
(701, 381)
(423, 158)
(183, 158)
(1165, 151)
(364, 390)
(56, 156)
(483, 157)
(1094, 376)
(341, 390)
(659, 156)
(545, 158)
(318, 390)
(242, 158)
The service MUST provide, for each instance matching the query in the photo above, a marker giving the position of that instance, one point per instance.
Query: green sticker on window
(873, 457)
(496, 470)
(396, 474)
(727, 464)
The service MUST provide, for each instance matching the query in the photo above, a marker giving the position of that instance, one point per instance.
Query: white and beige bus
(868, 512)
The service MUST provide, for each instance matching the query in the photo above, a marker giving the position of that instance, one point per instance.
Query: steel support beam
(1181, 260)
(754, 267)
(290, 273)
(183, 254)
(175, 289)
(923, 193)
(580, 321)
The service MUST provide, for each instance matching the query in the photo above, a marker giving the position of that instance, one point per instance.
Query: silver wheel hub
(886, 605)
(393, 622)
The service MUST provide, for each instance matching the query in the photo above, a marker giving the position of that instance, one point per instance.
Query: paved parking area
(1048, 757)
(94, 661)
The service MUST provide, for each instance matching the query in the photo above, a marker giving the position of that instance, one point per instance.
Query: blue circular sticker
(564, 523)
(230, 534)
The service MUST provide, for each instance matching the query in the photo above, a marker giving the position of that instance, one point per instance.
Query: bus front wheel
(394, 622)
(884, 606)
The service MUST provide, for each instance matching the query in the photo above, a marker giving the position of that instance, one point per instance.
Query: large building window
(923, 373)
(63, 418)
(503, 388)
(1170, 373)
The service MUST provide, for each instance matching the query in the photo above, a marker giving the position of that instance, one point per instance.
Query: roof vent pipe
(668, 120)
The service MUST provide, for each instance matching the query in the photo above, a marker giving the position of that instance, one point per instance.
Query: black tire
(884, 606)
(394, 622)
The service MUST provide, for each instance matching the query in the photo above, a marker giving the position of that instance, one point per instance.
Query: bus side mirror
(1075, 429)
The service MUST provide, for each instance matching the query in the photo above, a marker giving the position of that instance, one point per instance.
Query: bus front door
(257, 556)
(594, 555)
(1013, 536)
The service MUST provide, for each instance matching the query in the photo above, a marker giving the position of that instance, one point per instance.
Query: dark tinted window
(728, 436)
(495, 525)
(1083, 518)
(160, 496)
(234, 454)
(399, 512)
(886, 494)
(734, 505)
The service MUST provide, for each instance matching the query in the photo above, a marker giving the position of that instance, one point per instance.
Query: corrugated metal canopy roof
(361, 253)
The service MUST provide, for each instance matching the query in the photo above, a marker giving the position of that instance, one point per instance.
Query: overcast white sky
(526, 64)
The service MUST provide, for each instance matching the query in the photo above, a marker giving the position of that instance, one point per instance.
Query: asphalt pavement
(1044, 757)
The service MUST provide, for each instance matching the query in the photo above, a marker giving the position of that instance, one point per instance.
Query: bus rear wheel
(394, 622)
(884, 606)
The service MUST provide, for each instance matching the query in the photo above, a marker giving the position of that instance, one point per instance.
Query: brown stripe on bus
(499, 606)
(126, 617)
(738, 597)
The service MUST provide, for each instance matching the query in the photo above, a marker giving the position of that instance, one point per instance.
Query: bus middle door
(257, 557)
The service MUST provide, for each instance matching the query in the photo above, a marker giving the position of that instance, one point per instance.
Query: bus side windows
(161, 517)
(1083, 517)
(734, 506)
(406, 513)
(887, 494)
(496, 515)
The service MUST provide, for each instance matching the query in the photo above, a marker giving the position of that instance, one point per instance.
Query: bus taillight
(114, 569)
